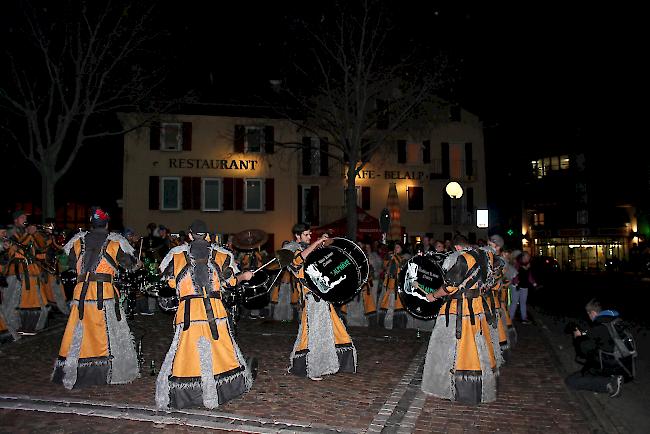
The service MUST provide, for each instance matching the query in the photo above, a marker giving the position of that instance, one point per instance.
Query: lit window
(538, 219)
(254, 139)
(253, 195)
(171, 136)
(212, 194)
(555, 163)
(170, 194)
(564, 162)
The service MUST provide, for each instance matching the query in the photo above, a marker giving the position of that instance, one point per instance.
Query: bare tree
(358, 96)
(71, 68)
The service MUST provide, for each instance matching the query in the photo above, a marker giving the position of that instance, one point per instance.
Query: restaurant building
(251, 170)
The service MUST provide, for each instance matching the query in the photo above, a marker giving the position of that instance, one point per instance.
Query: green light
(510, 232)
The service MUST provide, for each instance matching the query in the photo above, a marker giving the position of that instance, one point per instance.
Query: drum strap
(470, 307)
(459, 317)
(487, 309)
(208, 310)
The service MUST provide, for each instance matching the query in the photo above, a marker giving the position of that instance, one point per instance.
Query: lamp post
(454, 191)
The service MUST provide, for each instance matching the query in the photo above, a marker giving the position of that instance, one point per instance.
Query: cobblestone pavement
(383, 396)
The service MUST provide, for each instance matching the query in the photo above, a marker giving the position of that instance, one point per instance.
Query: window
(171, 194)
(314, 156)
(415, 198)
(454, 113)
(564, 162)
(543, 166)
(309, 204)
(582, 217)
(171, 136)
(254, 139)
(212, 191)
(538, 219)
(363, 197)
(253, 200)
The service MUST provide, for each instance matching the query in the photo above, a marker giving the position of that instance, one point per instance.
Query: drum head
(257, 290)
(420, 276)
(337, 272)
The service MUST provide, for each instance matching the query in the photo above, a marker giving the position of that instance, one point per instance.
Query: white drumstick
(140, 252)
(274, 259)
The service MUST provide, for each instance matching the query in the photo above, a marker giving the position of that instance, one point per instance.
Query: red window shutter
(154, 192)
(315, 208)
(401, 151)
(240, 138)
(269, 139)
(186, 201)
(269, 193)
(239, 193)
(228, 193)
(187, 136)
(365, 198)
(154, 136)
(196, 192)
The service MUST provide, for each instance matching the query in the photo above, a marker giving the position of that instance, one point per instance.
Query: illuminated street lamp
(454, 191)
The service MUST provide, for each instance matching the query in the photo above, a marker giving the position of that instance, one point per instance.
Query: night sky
(535, 73)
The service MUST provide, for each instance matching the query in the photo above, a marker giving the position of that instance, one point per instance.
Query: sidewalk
(384, 396)
(625, 414)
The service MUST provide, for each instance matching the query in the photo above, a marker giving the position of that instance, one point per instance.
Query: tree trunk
(351, 203)
(48, 182)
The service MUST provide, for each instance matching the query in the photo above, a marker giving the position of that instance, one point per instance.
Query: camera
(572, 326)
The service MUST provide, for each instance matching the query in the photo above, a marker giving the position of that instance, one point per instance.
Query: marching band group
(470, 339)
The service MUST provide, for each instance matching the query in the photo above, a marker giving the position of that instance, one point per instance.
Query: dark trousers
(587, 381)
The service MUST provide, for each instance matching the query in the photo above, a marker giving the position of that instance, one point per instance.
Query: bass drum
(337, 271)
(256, 292)
(420, 276)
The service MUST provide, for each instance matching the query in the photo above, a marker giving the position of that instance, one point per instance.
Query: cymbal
(250, 239)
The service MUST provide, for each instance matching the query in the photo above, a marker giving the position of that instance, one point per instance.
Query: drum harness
(205, 294)
(100, 279)
(469, 293)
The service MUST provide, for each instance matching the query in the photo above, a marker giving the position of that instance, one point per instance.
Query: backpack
(624, 346)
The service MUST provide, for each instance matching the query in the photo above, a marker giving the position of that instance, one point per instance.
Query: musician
(54, 292)
(97, 346)
(281, 296)
(7, 333)
(494, 268)
(496, 242)
(509, 273)
(204, 365)
(460, 363)
(392, 312)
(26, 302)
(165, 239)
(323, 345)
(252, 260)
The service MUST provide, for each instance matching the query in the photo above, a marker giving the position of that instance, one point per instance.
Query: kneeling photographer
(604, 367)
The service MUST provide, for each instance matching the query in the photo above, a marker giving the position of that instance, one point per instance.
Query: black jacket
(596, 339)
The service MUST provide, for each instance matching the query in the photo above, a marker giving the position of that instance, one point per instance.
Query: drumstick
(274, 259)
(140, 252)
